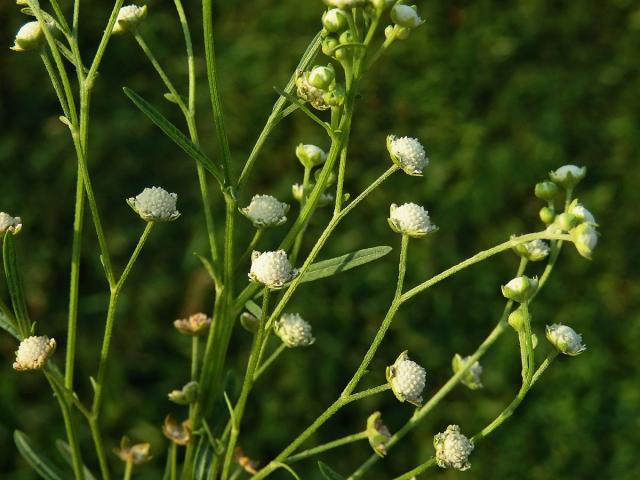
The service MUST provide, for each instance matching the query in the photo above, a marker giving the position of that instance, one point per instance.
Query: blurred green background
(499, 92)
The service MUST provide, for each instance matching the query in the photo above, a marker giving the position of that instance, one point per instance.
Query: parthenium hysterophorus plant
(351, 43)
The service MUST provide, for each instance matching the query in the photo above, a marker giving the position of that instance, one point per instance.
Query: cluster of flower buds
(29, 37)
(410, 219)
(271, 269)
(265, 211)
(155, 204)
(471, 378)
(9, 224)
(405, 18)
(129, 18)
(318, 86)
(33, 353)
(407, 379)
(453, 449)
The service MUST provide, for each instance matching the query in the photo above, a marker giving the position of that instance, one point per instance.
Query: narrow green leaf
(65, 451)
(68, 54)
(202, 462)
(328, 473)
(6, 323)
(253, 308)
(38, 462)
(206, 264)
(288, 469)
(174, 134)
(14, 283)
(327, 268)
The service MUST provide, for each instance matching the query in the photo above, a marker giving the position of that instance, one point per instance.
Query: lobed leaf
(174, 134)
(38, 462)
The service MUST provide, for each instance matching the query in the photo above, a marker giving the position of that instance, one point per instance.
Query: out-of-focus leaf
(65, 451)
(14, 284)
(329, 473)
(38, 462)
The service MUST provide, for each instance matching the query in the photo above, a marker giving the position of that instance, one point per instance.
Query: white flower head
(520, 289)
(9, 224)
(410, 219)
(565, 339)
(33, 353)
(406, 16)
(408, 153)
(407, 379)
(266, 211)
(533, 251)
(585, 239)
(29, 37)
(294, 331)
(129, 17)
(453, 449)
(155, 204)
(471, 378)
(271, 269)
(568, 176)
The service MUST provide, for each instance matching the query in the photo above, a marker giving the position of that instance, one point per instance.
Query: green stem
(55, 83)
(327, 446)
(238, 411)
(173, 454)
(418, 470)
(99, 448)
(128, 469)
(267, 363)
(252, 246)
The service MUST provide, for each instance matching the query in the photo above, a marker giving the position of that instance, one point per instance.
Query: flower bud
(547, 215)
(520, 289)
(336, 97)
(9, 224)
(516, 319)
(249, 322)
(334, 20)
(129, 18)
(453, 449)
(406, 16)
(581, 213)
(309, 93)
(381, 5)
(155, 204)
(271, 269)
(310, 155)
(568, 176)
(322, 77)
(471, 378)
(186, 395)
(294, 331)
(585, 239)
(29, 37)
(407, 379)
(345, 4)
(194, 326)
(410, 219)
(546, 190)
(533, 251)
(565, 339)
(133, 454)
(378, 434)
(565, 221)
(180, 434)
(408, 153)
(328, 46)
(33, 353)
(265, 211)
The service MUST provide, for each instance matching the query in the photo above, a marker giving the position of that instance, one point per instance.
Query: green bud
(330, 181)
(310, 155)
(585, 238)
(547, 215)
(335, 97)
(249, 322)
(381, 5)
(566, 221)
(188, 394)
(378, 434)
(406, 16)
(516, 319)
(471, 378)
(334, 20)
(546, 190)
(520, 289)
(322, 77)
(328, 46)
(29, 37)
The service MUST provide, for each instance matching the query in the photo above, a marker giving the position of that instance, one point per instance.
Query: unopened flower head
(453, 449)
(9, 224)
(266, 211)
(408, 153)
(533, 251)
(585, 239)
(407, 379)
(133, 454)
(195, 325)
(271, 269)
(310, 93)
(33, 353)
(178, 433)
(186, 395)
(310, 155)
(29, 37)
(129, 17)
(378, 434)
(294, 331)
(406, 16)
(520, 289)
(546, 190)
(581, 213)
(344, 4)
(471, 378)
(334, 20)
(568, 176)
(410, 219)
(155, 204)
(565, 339)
